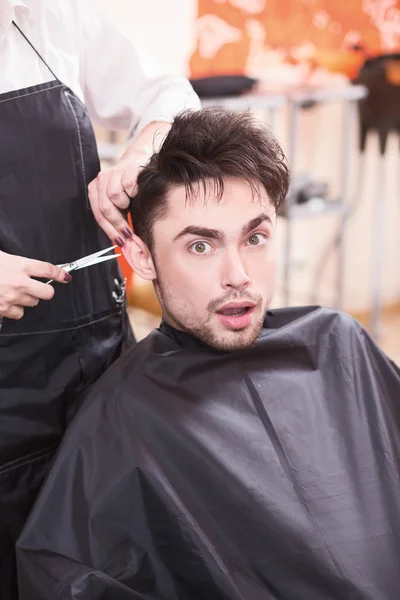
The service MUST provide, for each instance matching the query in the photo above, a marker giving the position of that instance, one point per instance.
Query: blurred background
(326, 77)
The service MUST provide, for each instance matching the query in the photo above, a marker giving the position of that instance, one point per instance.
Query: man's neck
(181, 337)
(187, 339)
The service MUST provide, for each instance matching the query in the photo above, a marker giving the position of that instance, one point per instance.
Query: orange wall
(228, 31)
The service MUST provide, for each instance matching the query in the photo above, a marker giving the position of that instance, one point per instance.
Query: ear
(139, 258)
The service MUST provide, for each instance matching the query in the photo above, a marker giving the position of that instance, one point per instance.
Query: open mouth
(236, 316)
(235, 312)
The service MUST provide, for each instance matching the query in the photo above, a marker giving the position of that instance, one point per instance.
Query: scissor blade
(95, 262)
(87, 260)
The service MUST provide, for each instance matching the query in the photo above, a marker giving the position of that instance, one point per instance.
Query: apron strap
(34, 49)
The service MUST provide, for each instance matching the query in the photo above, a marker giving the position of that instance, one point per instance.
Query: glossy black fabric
(266, 474)
(48, 156)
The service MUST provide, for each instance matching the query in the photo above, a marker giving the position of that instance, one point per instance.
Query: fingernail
(119, 241)
(67, 278)
(127, 233)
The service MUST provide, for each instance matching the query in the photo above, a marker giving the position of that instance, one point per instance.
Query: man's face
(216, 264)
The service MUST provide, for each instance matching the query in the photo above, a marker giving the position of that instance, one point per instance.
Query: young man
(235, 454)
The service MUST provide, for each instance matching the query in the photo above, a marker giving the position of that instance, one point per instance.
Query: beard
(228, 341)
(231, 340)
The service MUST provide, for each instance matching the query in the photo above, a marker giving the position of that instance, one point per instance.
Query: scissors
(88, 261)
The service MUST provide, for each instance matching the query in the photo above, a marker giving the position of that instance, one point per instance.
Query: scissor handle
(69, 266)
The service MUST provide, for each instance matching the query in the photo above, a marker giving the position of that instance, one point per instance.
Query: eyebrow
(217, 234)
(256, 222)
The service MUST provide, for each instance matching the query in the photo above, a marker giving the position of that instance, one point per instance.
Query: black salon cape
(266, 474)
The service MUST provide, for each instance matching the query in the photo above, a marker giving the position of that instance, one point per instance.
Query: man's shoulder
(313, 318)
(104, 405)
(127, 368)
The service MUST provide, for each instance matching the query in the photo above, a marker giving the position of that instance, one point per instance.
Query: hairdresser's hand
(110, 192)
(18, 289)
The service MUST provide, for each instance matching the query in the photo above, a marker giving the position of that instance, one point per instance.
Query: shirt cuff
(166, 105)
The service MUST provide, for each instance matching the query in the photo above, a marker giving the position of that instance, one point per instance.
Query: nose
(234, 273)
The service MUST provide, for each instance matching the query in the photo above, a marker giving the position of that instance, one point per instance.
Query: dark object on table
(380, 110)
(223, 85)
(303, 190)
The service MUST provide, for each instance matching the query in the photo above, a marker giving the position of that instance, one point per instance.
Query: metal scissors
(88, 261)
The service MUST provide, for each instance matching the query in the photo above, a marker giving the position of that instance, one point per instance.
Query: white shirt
(120, 90)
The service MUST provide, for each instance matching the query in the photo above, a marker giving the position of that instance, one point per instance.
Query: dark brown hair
(206, 146)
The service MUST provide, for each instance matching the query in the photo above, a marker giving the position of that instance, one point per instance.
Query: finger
(110, 213)
(108, 207)
(45, 270)
(14, 312)
(109, 230)
(129, 182)
(121, 200)
(39, 290)
(28, 300)
(116, 191)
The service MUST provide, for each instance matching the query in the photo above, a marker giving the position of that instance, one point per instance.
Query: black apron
(48, 156)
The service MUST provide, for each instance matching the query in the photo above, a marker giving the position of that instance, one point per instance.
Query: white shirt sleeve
(122, 89)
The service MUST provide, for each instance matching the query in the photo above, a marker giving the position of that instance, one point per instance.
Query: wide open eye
(200, 248)
(257, 239)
